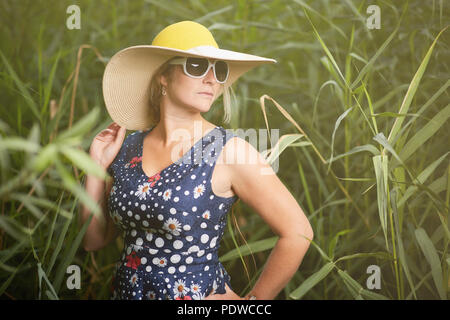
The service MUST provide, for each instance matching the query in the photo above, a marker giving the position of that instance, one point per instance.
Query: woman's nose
(209, 77)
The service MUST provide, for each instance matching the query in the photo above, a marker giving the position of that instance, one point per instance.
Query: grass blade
(357, 290)
(412, 90)
(421, 178)
(42, 275)
(250, 248)
(401, 249)
(425, 133)
(372, 60)
(336, 126)
(22, 88)
(432, 258)
(381, 172)
(311, 281)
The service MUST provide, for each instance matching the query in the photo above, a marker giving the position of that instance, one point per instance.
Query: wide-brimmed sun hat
(127, 76)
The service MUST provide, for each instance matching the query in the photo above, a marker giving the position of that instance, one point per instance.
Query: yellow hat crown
(184, 35)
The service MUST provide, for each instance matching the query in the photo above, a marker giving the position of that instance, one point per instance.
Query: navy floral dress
(172, 222)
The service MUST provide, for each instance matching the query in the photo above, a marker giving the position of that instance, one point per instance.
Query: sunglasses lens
(196, 66)
(221, 70)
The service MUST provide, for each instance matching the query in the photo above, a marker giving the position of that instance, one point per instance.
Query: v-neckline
(146, 133)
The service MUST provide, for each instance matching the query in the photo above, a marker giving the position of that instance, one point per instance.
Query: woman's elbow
(306, 234)
(310, 234)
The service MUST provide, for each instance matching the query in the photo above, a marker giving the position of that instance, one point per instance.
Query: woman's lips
(206, 93)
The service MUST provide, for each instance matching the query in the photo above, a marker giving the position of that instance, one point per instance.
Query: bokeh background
(367, 157)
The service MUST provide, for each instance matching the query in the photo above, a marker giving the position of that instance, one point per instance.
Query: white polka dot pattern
(172, 222)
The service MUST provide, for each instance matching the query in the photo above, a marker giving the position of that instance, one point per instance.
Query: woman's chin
(201, 108)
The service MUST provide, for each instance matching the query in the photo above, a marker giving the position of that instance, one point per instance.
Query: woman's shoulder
(238, 151)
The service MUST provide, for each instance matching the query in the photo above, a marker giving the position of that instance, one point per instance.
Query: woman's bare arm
(98, 235)
(268, 196)
(104, 148)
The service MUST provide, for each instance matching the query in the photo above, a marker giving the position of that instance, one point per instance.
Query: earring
(163, 91)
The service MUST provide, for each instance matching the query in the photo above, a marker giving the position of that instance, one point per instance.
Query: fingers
(113, 129)
(120, 134)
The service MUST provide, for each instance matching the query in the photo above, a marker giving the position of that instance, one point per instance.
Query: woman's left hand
(228, 295)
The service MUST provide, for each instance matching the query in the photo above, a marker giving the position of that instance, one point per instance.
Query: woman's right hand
(106, 144)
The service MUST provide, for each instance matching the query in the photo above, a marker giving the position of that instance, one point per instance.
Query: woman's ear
(166, 77)
(163, 80)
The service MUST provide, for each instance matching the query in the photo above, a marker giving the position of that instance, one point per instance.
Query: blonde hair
(155, 91)
(166, 70)
(229, 99)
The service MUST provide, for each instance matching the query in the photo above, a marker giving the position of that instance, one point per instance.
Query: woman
(172, 203)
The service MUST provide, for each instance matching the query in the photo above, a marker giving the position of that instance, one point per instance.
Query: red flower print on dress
(133, 162)
(133, 260)
(154, 178)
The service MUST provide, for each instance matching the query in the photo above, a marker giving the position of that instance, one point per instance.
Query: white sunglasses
(199, 67)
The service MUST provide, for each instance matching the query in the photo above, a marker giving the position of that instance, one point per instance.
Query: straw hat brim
(127, 76)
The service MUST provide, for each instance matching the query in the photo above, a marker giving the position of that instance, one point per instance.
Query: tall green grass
(364, 146)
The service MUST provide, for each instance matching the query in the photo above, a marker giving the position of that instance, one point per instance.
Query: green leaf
(334, 241)
(13, 228)
(45, 158)
(412, 91)
(18, 144)
(379, 255)
(425, 133)
(83, 161)
(70, 254)
(52, 227)
(311, 281)
(334, 85)
(224, 26)
(357, 290)
(367, 147)
(48, 87)
(322, 253)
(352, 285)
(421, 178)
(27, 201)
(252, 247)
(284, 142)
(324, 47)
(336, 126)
(393, 114)
(59, 244)
(401, 250)
(381, 139)
(22, 88)
(432, 258)
(7, 282)
(52, 294)
(79, 192)
(329, 21)
(372, 60)
(80, 128)
(381, 172)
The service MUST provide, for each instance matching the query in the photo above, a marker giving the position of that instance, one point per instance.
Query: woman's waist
(164, 257)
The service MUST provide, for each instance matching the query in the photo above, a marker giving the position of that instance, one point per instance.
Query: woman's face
(198, 94)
